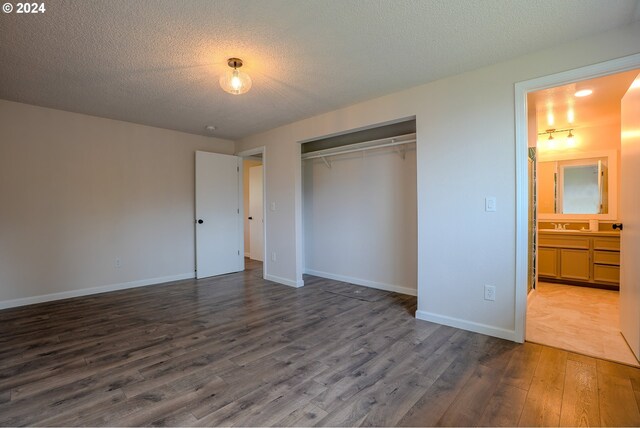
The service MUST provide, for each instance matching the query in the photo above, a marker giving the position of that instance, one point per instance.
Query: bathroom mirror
(577, 186)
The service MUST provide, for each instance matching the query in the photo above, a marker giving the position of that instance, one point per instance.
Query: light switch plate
(490, 204)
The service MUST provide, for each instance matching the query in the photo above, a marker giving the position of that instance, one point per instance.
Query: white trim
(93, 290)
(364, 282)
(284, 281)
(522, 146)
(247, 153)
(240, 220)
(467, 325)
(358, 129)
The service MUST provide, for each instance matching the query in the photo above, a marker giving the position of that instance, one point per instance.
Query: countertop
(580, 232)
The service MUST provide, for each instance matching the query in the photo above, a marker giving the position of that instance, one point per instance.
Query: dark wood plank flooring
(238, 350)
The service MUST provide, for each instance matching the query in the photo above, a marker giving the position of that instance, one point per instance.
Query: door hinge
(238, 210)
(238, 252)
(238, 168)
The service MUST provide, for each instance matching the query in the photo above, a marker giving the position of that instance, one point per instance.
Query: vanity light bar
(555, 131)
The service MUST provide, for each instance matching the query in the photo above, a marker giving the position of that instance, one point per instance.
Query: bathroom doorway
(574, 254)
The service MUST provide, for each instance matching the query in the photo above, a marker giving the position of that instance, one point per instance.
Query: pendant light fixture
(551, 143)
(233, 80)
(571, 141)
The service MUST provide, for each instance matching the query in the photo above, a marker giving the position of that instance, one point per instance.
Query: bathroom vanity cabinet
(582, 258)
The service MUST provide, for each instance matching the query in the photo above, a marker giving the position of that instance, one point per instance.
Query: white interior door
(219, 238)
(256, 210)
(630, 218)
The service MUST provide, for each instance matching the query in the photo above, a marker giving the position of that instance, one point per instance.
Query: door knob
(617, 226)
(250, 218)
(200, 221)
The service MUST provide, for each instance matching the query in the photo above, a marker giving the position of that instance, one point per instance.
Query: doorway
(359, 206)
(254, 207)
(578, 254)
(223, 227)
(254, 215)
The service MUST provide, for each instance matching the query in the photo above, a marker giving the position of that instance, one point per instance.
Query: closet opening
(359, 207)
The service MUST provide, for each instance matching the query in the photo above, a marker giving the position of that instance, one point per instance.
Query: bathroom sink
(563, 230)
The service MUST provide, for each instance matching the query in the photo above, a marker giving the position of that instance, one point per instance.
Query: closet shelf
(359, 147)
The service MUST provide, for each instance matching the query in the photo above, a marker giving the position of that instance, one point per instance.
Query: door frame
(244, 154)
(522, 89)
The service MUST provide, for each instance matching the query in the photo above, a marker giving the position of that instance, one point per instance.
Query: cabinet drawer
(606, 257)
(606, 273)
(564, 241)
(606, 243)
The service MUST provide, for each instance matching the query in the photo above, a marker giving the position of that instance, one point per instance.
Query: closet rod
(361, 149)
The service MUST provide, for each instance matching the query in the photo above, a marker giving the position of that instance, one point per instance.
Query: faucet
(564, 226)
(556, 226)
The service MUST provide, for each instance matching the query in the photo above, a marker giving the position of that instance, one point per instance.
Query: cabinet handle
(617, 226)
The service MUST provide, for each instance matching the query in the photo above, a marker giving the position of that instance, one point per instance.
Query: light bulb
(571, 140)
(236, 83)
(233, 80)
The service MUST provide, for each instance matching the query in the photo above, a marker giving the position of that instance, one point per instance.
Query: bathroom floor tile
(579, 319)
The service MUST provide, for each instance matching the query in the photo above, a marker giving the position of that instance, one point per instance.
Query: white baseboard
(247, 254)
(93, 290)
(364, 282)
(284, 281)
(467, 325)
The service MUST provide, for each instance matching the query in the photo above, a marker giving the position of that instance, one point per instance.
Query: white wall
(360, 220)
(465, 151)
(78, 191)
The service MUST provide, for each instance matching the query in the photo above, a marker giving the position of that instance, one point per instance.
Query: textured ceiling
(602, 107)
(158, 62)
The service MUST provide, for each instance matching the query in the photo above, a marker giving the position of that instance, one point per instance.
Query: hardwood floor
(579, 319)
(238, 350)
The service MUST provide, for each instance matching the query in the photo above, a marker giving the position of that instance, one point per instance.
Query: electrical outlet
(273, 256)
(118, 262)
(489, 292)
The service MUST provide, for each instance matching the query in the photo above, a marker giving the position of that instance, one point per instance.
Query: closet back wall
(360, 222)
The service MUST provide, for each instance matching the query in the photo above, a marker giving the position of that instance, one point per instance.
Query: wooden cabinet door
(548, 262)
(575, 264)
